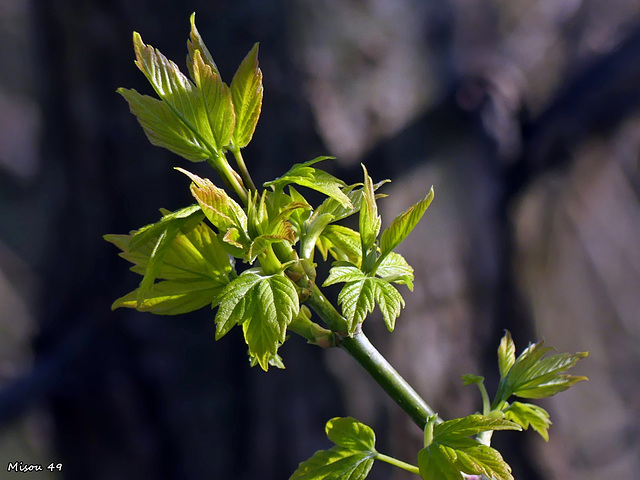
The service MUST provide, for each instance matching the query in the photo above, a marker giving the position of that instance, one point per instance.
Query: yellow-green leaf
(247, 92)
(195, 43)
(216, 100)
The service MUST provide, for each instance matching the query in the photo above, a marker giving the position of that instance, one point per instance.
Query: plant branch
(363, 351)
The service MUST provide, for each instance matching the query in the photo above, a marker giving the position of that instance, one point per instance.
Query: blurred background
(523, 114)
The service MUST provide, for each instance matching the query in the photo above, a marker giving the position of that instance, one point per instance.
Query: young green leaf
(235, 303)
(338, 210)
(528, 414)
(361, 293)
(446, 462)
(194, 267)
(172, 297)
(403, 224)
(342, 243)
(437, 462)
(350, 433)
(467, 426)
(370, 221)
(216, 100)
(163, 128)
(506, 354)
(357, 300)
(220, 209)
(177, 92)
(196, 254)
(389, 301)
(247, 92)
(350, 459)
(305, 175)
(283, 232)
(395, 269)
(451, 451)
(343, 272)
(160, 236)
(156, 259)
(533, 376)
(194, 44)
(264, 305)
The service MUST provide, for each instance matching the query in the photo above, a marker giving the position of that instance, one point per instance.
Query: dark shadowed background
(524, 115)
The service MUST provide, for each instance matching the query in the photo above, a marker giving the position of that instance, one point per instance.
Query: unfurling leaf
(506, 354)
(534, 376)
(247, 91)
(528, 414)
(195, 43)
(350, 459)
(369, 224)
(403, 224)
(220, 209)
(342, 243)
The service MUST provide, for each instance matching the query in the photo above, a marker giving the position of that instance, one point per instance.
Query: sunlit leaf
(506, 354)
(528, 414)
(468, 426)
(216, 100)
(370, 221)
(195, 43)
(264, 305)
(342, 273)
(535, 376)
(350, 459)
(446, 462)
(389, 301)
(193, 266)
(357, 300)
(163, 128)
(452, 453)
(403, 224)
(177, 92)
(307, 176)
(247, 92)
(172, 297)
(342, 243)
(235, 302)
(395, 269)
(338, 210)
(221, 210)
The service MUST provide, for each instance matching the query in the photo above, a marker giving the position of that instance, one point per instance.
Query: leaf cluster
(274, 231)
(532, 375)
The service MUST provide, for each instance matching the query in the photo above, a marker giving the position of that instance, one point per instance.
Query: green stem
(361, 349)
(486, 403)
(243, 168)
(229, 176)
(398, 463)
